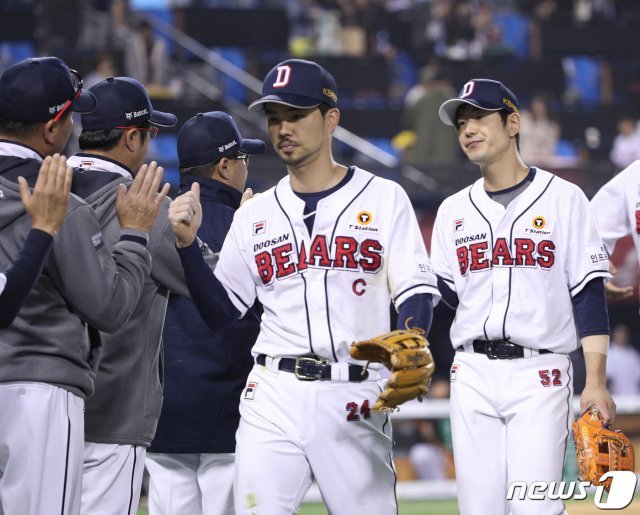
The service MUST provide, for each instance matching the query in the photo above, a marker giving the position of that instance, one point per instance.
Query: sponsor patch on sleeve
(597, 254)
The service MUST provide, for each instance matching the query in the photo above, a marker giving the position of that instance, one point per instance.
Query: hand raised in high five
(185, 216)
(48, 202)
(138, 207)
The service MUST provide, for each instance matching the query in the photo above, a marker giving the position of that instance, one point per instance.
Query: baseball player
(518, 256)
(616, 208)
(121, 416)
(48, 356)
(191, 458)
(47, 207)
(325, 251)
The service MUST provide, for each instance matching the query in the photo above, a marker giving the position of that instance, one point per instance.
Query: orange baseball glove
(599, 449)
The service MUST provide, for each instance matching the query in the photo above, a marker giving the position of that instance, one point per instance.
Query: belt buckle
(493, 352)
(303, 362)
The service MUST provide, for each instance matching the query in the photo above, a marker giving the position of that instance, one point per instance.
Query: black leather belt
(314, 368)
(501, 349)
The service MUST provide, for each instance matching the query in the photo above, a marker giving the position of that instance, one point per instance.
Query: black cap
(123, 102)
(208, 137)
(37, 89)
(487, 94)
(298, 83)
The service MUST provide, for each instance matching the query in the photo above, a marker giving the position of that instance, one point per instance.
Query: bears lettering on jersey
(524, 252)
(345, 253)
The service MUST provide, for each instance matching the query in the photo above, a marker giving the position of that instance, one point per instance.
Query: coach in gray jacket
(121, 417)
(47, 355)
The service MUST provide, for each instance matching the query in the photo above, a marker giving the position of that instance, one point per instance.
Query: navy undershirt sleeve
(23, 274)
(207, 293)
(590, 308)
(449, 296)
(418, 311)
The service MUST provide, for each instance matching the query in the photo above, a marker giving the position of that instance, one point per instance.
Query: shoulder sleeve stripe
(588, 277)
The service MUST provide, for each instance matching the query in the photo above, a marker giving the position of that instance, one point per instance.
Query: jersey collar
(495, 211)
(15, 149)
(294, 205)
(98, 164)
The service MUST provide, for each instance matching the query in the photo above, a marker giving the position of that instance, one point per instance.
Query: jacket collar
(212, 190)
(15, 149)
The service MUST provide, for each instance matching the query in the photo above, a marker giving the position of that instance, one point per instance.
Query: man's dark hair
(324, 108)
(504, 114)
(20, 130)
(105, 140)
(198, 171)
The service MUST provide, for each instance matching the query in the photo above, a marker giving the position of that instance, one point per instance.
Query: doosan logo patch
(259, 227)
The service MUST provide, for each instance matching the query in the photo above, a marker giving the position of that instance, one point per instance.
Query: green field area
(584, 507)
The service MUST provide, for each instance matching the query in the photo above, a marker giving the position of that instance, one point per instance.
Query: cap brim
(289, 100)
(85, 103)
(163, 119)
(252, 146)
(448, 110)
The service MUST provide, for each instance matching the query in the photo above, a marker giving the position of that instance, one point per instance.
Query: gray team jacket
(126, 405)
(81, 284)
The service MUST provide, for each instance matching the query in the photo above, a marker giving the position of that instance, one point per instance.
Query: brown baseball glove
(599, 449)
(404, 352)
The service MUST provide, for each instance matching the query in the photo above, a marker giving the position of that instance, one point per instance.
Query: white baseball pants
(293, 431)
(41, 444)
(197, 484)
(112, 478)
(508, 426)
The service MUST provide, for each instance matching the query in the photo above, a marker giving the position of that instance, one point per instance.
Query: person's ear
(50, 130)
(513, 124)
(224, 168)
(333, 118)
(133, 139)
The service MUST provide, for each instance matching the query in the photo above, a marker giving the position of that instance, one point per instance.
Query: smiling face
(484, 137)
(300, 136)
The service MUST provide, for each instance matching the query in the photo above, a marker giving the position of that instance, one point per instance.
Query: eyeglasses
(241, 157)
(76, 79)
(153, 130)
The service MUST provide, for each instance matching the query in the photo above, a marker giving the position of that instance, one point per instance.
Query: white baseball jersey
(325, 290)
(515, 269)
(616, 208)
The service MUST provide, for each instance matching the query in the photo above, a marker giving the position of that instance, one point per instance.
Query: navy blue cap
(123, 102)
(208, 137)
(298, 83)
(487, 94)
(37, 89)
